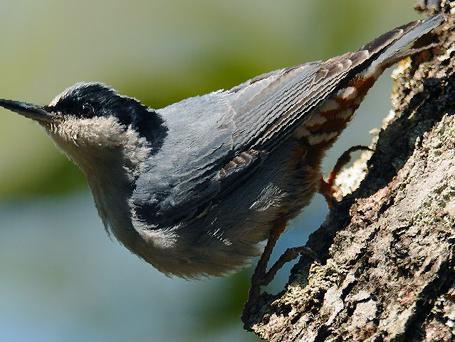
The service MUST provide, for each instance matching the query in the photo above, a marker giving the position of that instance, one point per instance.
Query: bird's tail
(396, 44)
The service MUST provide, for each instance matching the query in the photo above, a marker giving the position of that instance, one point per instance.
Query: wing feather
(217, 140)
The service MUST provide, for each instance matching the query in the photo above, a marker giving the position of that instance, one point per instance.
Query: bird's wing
(269, 107)
(217, 140)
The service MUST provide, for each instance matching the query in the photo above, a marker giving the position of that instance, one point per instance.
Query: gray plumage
(194, 187)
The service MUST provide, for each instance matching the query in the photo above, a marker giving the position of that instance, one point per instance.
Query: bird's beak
(31, 111)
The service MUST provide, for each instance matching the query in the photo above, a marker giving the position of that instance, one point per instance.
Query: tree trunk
(387, 249)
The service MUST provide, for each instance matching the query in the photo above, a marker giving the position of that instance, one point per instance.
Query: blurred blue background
(61, 277)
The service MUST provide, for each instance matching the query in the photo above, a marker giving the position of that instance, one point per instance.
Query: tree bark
(387, 249)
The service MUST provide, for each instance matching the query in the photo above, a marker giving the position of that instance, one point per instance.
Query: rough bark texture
(388, 265)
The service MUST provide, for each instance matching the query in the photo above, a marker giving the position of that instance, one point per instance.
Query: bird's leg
(261, 276)
(260, 272)
(327, 187)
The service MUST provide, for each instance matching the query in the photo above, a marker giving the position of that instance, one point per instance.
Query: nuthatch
(193, 188)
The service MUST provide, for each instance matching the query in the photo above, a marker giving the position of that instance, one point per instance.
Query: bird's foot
(327, 187)
(262, 277)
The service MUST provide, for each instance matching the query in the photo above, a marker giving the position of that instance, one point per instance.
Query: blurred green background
(61, 278)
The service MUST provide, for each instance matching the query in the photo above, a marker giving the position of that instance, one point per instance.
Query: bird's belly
(230, 232)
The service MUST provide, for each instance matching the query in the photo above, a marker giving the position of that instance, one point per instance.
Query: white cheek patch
(85, 139)
(97, 131)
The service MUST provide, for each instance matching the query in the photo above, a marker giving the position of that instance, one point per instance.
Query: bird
(195, 188)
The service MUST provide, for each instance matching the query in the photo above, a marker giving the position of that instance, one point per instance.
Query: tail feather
(394, 45)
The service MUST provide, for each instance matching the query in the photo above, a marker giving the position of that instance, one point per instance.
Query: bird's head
(90, 120)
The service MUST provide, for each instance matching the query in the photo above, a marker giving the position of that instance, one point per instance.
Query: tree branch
(388, 266)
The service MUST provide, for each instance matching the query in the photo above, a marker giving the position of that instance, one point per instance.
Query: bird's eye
(87, 110)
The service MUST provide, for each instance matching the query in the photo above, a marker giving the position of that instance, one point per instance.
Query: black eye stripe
(88, 110)
(97, 100)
